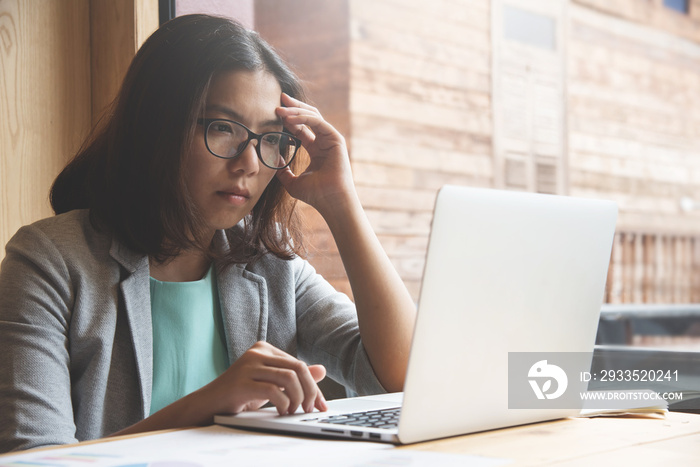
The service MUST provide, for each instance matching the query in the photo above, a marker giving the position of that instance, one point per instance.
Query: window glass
(678, 5)
(529, 28)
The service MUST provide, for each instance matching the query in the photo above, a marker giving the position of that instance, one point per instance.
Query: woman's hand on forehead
(327, 180)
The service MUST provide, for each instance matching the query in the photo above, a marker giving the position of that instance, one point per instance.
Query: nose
(247, 161)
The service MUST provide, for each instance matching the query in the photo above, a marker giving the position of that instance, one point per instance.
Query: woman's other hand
(327, 182)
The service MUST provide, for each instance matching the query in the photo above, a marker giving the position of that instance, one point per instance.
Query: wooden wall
(408, 84)
(242, 10)
(654, 268)
(651, 13)
(634, 118)
(61, 63)
(634, 137)
(117, 30)
(419, 115)
(44, 102)
(420, 106)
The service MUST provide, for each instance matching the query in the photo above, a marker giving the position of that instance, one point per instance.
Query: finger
(271, 350)
(286, 113)
(277, 358)
(316, 123)
(290, 101)
(309, 376)
(309, 389)
(285, 378)
(300, 122)
(318, 372)
(286, 177)
(302, 132)
(296, 111)
(320, 402)
(274, 394)
(279, 368)
(310, 129)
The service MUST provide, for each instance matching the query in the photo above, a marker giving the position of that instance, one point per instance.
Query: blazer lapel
(243, 299)
(242, 296)
(136, 296)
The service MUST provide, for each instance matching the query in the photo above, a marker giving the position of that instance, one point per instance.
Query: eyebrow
(239, 118)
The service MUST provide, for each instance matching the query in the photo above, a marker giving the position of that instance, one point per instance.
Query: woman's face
(225, 190)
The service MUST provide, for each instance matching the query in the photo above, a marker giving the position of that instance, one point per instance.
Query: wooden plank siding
(634, 118)
(117, 30)
(654, 268)
(410, 83)
(420, 106)
(44, 102)
(61, 63)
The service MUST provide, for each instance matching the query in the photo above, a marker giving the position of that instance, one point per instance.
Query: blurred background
(574, 97)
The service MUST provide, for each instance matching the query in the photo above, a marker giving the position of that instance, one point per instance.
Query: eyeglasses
(227, 139)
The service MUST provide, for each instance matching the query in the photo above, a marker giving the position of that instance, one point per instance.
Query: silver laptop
(505, 272)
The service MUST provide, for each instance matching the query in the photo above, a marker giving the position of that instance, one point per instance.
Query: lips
(235, 196)
(242, 192)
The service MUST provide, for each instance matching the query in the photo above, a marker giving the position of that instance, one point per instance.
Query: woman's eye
(272, 138)
(221, 127)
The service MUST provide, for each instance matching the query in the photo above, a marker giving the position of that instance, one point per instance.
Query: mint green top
(189, 343)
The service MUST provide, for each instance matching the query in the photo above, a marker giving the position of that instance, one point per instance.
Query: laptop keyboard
(386, 418)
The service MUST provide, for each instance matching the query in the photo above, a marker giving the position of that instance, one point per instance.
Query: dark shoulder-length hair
(129, 171)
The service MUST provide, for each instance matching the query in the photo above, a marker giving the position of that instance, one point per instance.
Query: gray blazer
(76, 336)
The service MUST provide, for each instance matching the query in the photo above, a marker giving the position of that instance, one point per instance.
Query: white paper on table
(221, 446)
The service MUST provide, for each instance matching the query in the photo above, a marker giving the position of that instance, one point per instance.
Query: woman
(168, 287)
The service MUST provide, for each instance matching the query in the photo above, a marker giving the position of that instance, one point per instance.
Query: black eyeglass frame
(206, 122)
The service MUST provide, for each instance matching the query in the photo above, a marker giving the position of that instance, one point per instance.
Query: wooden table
(670, 442)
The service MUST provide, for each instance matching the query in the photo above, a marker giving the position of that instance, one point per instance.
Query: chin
(227, 223)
